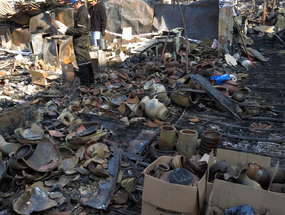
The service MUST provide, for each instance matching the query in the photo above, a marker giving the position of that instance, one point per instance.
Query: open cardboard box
(227, 195)
(43, 78)
(160, 197)
(232, 158)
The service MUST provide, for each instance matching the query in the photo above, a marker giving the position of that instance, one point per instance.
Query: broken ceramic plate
(37, 202)
(46, 156)
(118, 99)
(88, 131)
(69, 158)
(35, 132)
(76, 140)
(6, 148)
(98, 150)
(98, 169)
(22, 139)
(24, 151)
(79, 127)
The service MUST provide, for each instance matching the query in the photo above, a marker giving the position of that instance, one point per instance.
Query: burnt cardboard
(232, 158)
(160, 197)
(226, 195)
(43, 78)
(67, 73)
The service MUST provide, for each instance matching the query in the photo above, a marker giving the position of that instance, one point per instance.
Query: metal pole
(185, 32)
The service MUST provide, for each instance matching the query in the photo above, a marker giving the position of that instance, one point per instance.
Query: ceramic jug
(187, 142)
(167, 138)
(154, 109)
(158, 90)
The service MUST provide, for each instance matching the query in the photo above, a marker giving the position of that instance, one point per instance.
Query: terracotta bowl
(211, 136)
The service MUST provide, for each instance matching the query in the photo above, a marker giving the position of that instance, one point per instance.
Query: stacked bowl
(209, 141)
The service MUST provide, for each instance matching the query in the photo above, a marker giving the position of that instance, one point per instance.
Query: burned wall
(129, 13)
(201, 17)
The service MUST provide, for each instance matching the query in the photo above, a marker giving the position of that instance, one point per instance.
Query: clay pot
(258, 174)
(239, 96)
(155, 152)
(218, 167)
(167, 138)
(161, 168)
(209, 144)
(212, 136)
(245, 180)
(15, 163)
(154, 109)
(184, 99)
(157, 89)
(224, 90)
(246, 91)
(176, 162)
(24, 151)
(232, 86)
(209, 141)
(152, 172)
(187, 142)
(205, 150)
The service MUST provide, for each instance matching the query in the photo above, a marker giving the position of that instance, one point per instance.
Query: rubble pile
(87, 149)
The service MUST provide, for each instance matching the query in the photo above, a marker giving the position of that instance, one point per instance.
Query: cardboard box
(160, 197)
(67, 72)
(43, 78)
(227, 195)
(232, 158)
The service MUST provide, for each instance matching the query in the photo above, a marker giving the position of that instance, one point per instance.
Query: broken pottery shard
(218, 97)
(39, 201)
(46, 156)
(35, 132)
(106, 190)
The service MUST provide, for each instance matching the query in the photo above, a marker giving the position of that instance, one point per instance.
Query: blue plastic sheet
(220, 78)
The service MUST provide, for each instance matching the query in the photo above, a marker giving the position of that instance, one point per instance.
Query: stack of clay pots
(209, 141)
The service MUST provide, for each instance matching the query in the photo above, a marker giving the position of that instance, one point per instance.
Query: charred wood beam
(223, 101)
(234, 125)
(248, 118)
(266, 118)
(252, 138)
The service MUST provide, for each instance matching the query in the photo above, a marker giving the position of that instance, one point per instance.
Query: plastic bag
(220, 78)
(240, 210)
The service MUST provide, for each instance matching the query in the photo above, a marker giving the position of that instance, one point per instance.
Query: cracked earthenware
(46, 156)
